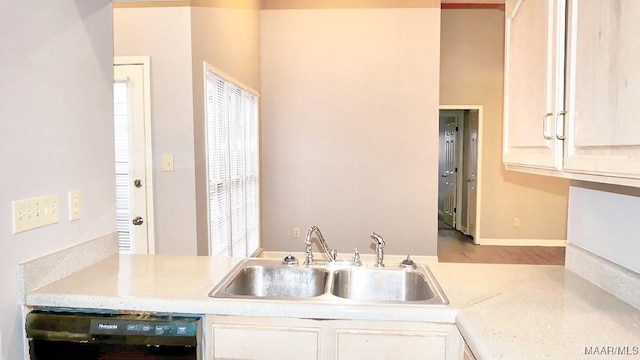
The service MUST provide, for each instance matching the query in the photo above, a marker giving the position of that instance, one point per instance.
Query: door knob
(137, 220)
(137, 183)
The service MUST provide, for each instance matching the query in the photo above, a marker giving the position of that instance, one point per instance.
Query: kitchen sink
(397, 285)
(339, 283)
(257, 278)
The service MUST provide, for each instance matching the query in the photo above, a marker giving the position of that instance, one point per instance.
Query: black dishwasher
(57, 335)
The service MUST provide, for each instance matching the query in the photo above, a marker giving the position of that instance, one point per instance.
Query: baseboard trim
(522, 242)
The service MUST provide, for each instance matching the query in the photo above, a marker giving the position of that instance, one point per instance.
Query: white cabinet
(573, 111)
(393, 340)
(262, 338)
(534, 82)
(236, 337)
(603, 88)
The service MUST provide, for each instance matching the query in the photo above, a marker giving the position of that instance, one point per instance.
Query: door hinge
(455, 210)
(456, 170)
(456, 129)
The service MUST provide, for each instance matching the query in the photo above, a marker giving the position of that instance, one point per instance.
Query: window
(123, 190)
(232, 161)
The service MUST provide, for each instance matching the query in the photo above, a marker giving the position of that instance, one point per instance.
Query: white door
(470, 173)
(132, 159)
(534, 84)
(448, 170)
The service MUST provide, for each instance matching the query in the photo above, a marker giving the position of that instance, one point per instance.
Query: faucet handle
(379, 252)
(378, 239)
(356, 257)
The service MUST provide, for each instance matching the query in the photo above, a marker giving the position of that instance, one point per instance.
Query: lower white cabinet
(398, 342)
(264, 341)
(256, 338)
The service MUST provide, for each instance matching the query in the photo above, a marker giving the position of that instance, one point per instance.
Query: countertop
(503, 311)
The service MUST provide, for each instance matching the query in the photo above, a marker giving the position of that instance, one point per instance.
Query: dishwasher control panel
(109, 326)
(112, 327)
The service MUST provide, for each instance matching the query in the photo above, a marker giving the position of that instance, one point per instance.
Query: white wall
(471, 72)
(602, 220)
(56, 112)
(164, 34)
(350, 126)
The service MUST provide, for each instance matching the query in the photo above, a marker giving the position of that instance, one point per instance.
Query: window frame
(249, 236)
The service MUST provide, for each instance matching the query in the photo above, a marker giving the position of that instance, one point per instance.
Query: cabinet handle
(544, 126)
(558, 136)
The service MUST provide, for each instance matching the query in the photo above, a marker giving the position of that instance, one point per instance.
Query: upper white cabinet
(603, 88)
(534, 83)
(572, 106)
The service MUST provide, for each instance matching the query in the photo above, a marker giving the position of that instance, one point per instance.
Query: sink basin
(337, 283)
(270, 279)
(386, 285)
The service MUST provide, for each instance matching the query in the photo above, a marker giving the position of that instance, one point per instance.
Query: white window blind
(233, 173)
(123, 189)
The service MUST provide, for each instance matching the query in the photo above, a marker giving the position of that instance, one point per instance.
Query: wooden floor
(454, 246)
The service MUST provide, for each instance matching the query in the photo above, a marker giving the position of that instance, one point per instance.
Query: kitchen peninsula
(502, 311)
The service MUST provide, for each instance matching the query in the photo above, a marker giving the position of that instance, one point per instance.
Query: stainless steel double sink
(329, 282)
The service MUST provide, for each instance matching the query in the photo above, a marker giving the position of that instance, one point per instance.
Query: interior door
(133, 190)
(448, 181)
(470, 172)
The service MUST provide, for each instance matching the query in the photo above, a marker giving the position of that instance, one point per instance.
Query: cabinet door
(534, 83)
(603, 88)
(398, 341)
(389, 345)
(262, 339)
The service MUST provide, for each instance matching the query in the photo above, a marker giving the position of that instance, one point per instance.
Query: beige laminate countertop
(503, 311)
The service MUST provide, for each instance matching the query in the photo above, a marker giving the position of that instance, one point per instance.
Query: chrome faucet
(331, 253)
(379, 249)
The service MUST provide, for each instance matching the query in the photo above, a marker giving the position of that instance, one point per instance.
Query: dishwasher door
(70, 336)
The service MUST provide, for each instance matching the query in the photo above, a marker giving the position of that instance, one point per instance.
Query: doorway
(458, 166)
(133, 160)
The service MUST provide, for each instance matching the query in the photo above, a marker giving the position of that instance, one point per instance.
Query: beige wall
(164, 34)
(472, 60)
(179, 38)
(229, 39)
(56, 113)
(349, 127)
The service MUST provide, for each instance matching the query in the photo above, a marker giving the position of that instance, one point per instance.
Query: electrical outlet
(516, 222)
(296, 232)
(20, 216)
(35, 212)
(74, 205)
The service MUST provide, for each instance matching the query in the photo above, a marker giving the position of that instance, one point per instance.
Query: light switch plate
(74, 205)
(167, 162)
(35, 212)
